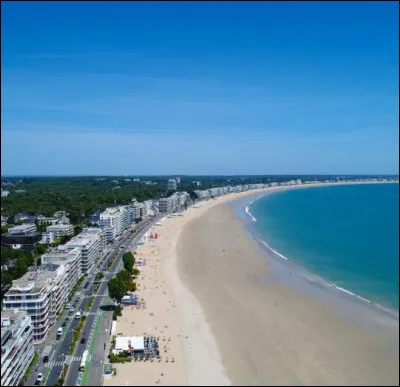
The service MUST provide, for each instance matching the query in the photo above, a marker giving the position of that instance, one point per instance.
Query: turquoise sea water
(346, 234)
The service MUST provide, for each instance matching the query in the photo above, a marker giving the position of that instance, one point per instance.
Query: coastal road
(54, 366)
(99, 319)
(59, 353)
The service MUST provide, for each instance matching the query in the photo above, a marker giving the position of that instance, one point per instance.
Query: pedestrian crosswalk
(68, 360)
(94, 295)
(97, 313)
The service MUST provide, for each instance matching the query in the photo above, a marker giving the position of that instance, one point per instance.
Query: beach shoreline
(200, 358)
(346, 314)
(241, 208)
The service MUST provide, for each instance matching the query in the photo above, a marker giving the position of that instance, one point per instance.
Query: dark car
(83, 340)
(64, 323)
(86, 285)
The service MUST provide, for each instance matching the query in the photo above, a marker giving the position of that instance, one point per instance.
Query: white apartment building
(171, 184)
(202, 194)
(47, 237)
(182, 199)
(100, 233)
(218, 191)
(166, 205)
(90, 242)
(176, 202)
(17, 348)
(60, 230)
(114, 220)
(46, 220)
(61, 216)
(27, 228)
(41, 293)
(4, 193)
(139, 210)
(71, 261)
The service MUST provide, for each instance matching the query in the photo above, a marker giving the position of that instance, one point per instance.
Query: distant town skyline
(199, 88)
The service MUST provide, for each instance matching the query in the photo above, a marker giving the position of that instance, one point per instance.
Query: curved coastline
(233, 300)
(308, 275)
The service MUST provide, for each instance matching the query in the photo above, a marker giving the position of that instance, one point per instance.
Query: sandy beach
(206, 289)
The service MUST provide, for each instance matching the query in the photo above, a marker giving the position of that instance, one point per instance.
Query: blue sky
(199, 88)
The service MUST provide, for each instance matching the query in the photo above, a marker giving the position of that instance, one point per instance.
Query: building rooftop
(60, 225)
(61, 256)
(23, 228)
(82, 240)
(35, 280)
(126, 343)
(10, 322)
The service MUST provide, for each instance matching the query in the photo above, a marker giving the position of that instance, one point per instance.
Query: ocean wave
(345, 291)
(250, 214)
(271, 249)
(328, 284)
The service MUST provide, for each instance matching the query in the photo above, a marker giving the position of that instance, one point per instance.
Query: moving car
(59, 333)
(83, 340)
(46, 353)
(39, 378)
(78, 315)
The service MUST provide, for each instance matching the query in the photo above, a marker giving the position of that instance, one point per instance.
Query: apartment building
(202, 194)
(60, 230)
(182, 199)
(218, 191)
(172, 184)
(114, 220)
(70, 261)
(139, 210)
(176, 202)
(90, 242)
(17, 348)
(47, 237)
(47, 220)
(4, 193)
(21, 237)
(166, 205)
(22, 229)
(41, 293)
(61, 216)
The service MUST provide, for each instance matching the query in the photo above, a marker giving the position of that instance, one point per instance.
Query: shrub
(59, 382)
(29, 370)
(135, 271)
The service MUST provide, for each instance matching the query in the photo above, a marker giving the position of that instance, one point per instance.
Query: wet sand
(267, 332)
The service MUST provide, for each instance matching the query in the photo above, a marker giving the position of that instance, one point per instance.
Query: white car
(39, 378)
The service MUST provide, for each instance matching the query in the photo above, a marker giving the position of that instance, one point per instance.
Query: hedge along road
(95, 366)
